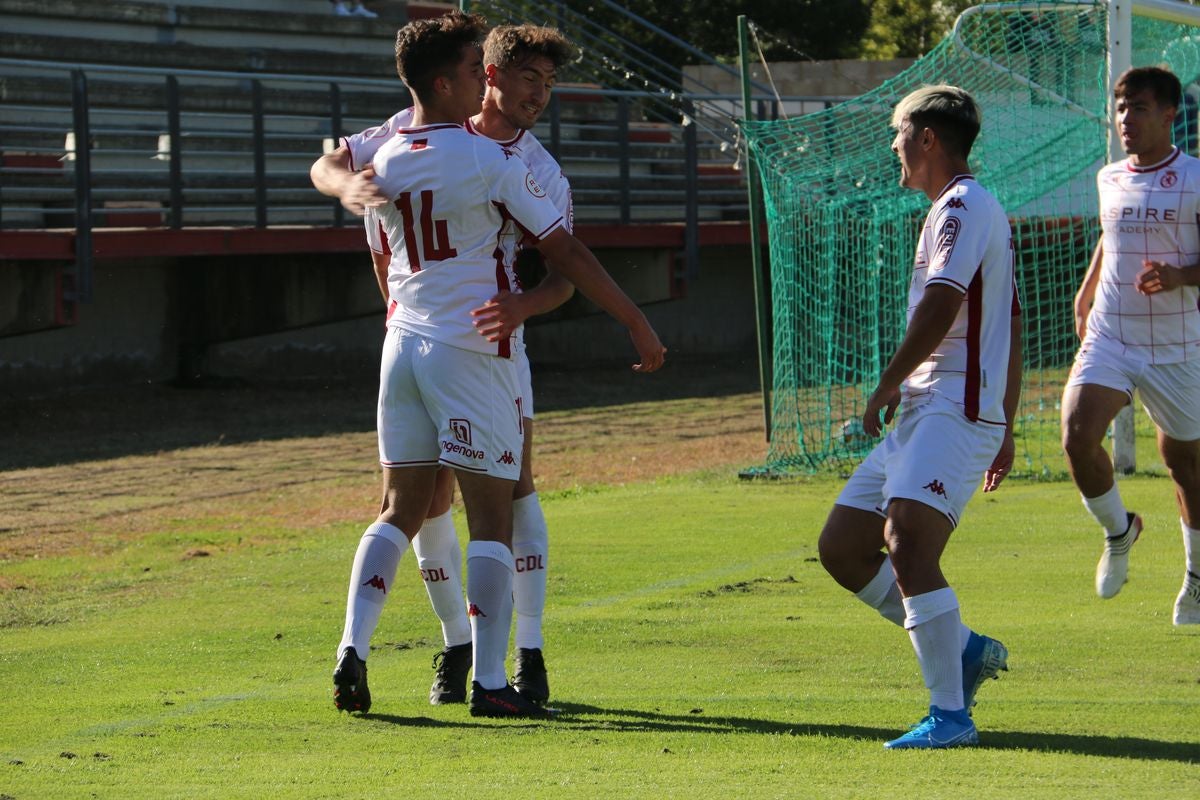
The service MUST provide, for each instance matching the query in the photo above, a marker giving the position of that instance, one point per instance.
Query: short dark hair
(948, 110)
(512, 45)
(429, 49)
(1162, 83)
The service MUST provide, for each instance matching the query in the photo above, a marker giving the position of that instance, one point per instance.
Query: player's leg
(480, 437)
(930, 480)
(372, 575)
(1182, 459)
(490, 570)
(531, 555)
(1171, 394)
(851, 550)
(408, 453)
(1087, 411)
(439, 559)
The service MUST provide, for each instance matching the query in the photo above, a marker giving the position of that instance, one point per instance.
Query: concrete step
(189, 56)
(51, 97)
(232, 26)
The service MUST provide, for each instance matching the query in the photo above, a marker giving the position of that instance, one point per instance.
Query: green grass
(695, 645)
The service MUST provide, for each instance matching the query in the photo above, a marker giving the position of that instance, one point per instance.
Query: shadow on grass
(86, 424)
(578, 716)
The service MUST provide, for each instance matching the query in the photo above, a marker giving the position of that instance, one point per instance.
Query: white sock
(490, 606)
(883, 595)
(1109, 511)
(935, 628)
(1191, 548)
(440, 561)
(531, 552)
(371, 577)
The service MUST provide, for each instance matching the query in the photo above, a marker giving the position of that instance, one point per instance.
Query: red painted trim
(974, 321)
(114, 243)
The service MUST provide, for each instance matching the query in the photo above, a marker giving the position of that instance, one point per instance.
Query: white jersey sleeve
(520, 197)
(366, 143)
(966, 243)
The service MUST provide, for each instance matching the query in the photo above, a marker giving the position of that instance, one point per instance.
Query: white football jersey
(452, 194)
(1149, 214)
(546, 171)
(966, 243)
(363, 146)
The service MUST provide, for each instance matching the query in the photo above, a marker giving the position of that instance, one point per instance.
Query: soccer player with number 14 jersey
(448, 395)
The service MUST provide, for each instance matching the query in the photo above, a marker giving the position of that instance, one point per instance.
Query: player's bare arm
(380, 262)
(331, 175)
(1003, 462)
(931, 321)
(1086, 296)
(501, 315)
(1155, 277)
(574, 261)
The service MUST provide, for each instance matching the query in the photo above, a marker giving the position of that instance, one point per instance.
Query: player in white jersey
(956, 379)
(521, 64)
(447, 394)
(1137, 319)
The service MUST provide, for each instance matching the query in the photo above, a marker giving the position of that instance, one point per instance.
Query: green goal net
(842, 231)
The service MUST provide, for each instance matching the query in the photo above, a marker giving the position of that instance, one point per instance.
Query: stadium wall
(291, 315)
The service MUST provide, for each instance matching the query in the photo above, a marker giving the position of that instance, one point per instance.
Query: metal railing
(93, 146)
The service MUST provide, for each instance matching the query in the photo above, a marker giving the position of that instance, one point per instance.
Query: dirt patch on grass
(126, 461)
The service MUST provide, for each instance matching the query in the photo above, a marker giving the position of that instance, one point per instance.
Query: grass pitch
(694, 643)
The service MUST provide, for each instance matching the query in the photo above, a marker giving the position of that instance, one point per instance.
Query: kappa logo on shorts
(507, 458)
(461, 428)
(378, 583)
(937, 487)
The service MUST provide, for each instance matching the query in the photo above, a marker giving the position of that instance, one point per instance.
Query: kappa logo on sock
(937, 487)
(378, 583)
(473, 611)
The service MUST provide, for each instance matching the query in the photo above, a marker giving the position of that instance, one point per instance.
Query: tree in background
(909, 28)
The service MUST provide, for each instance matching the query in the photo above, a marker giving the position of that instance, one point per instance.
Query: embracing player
(449, 395)
(521, 64)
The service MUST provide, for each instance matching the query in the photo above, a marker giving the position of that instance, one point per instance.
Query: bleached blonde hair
(948, 110)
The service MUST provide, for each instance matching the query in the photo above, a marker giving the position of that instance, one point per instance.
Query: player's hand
(360, 192)
(500, 316)
(650, 349)
(882, 399)
(1001, 464)
(1156, 277)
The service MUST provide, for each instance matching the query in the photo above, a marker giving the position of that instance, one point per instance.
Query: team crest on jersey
(1169, 179)
(462, 430)
(946, 238)
(533, 187)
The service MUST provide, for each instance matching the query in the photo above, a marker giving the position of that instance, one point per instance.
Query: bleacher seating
(296, 50)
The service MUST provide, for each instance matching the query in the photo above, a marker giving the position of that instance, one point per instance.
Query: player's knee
(1077, 443)
(1183, 465)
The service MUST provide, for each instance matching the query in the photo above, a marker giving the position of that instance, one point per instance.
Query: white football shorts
(1170, 392)
(443, 404)
(526, 378)
(935, 455)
